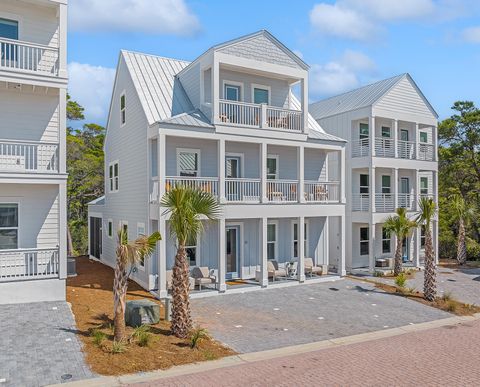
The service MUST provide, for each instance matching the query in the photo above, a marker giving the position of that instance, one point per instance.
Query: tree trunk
(397, 269)
(430, 276)
(461, 248)
(181, 319)
(120, 283)
(69, 243)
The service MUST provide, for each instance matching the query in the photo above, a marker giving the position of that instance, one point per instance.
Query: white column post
(417, 190)
(435, 142)
(435, 186)
(395, 137)
(62, 131)
(371, 251)
(62, 237)
(301, 249)
(395, 188)
(161, 160)
(301, 173)
(263, 252)
(372, 189)
(417, 245)
(343, 198)
(221, 170)
(215, 90)
(435, 239)
(62, 41)
(162, 258)
(304, 98)
(371, 132)
(263, 171)
(341, 261)
(221, 256)
(417, 141)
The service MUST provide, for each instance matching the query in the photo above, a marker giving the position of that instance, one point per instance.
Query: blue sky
(347, 43)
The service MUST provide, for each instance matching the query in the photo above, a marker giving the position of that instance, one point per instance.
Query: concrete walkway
(38, 345)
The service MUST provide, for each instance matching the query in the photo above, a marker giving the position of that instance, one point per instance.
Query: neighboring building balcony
(385, 147)
(28, 57)
(28, 264)
(261, 116)
(385, 202)
(28, 157)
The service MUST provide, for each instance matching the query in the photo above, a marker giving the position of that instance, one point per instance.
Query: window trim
(423, 236)
(14, 17)
(141, 225)
(360, 186)
(277, 158)
(123, 112)
(366, 136)
(226, 82)
(235, 155)
(7, 201)
(389, 131)
(420, 133)
(384, 239)
(307, 228)
(111, 179)
(110, 228)
(197, 253)
(421, 188)
(389, 186)
(367, 241)
(254, 86)
(190, 150)
(275, 249)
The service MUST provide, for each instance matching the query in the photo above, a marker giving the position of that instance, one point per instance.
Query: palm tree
(401, 226)
(128, 255)
(427, 210)
(463, 213)
(186, 206)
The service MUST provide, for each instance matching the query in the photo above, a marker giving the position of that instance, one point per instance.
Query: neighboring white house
(227, 123)
(33, 84)
(391, 130)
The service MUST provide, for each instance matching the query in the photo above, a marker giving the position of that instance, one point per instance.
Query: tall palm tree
(128, 255)
(463, 213)
(401, 226)
(427, 210)
(186, 206)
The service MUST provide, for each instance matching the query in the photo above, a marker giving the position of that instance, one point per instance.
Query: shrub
(411, 290)
(98, 337)
(451, 306)
(447, 296)
(400, 280)
(196, 336)
(118, 347)
(473, 249)
(142, 335)
(378, 274)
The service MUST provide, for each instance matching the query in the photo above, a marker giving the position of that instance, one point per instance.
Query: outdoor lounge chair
(274, 271)
(203, 276)
(169, 277)
(311, 269)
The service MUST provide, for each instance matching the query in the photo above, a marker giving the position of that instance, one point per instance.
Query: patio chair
(203, 276)
(169, 277)
(274, 271)
(311, 269)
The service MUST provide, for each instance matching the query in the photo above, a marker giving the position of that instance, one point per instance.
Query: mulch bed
(90, 294)
(453, 264)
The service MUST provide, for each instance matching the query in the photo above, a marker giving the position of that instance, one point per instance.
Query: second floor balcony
(386, 202)
(386, 147)
(28, 157)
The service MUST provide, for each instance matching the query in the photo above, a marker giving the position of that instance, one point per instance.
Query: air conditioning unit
(153, 282)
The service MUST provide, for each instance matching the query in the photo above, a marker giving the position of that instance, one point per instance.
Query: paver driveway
(38, 345)
(274, 318)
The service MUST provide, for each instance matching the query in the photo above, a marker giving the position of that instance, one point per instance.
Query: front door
(405, 250)
(233, 251)
(404, 197)
(96, 237)
(232, 171)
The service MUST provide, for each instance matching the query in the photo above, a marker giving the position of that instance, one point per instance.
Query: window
(386, 241)
(232, 92)
(261, 95)
(191, 250)
(8, 226)
(422, 236)
(364, 241)
(188, 162)
(124, 227)
(123, 109)
(386, 132)
(9, 30)
(363, 131)
(272, 167)
(364, 188)
(386, 184)
(140, 232)
(423, 137)
(271, 241)
(110, 228)
(113, 176)
(424, 186)
(295, 240)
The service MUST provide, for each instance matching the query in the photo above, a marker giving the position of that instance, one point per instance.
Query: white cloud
(340, 75)
(471, 35)
(91, 86)
(393, 9)
(148, 16)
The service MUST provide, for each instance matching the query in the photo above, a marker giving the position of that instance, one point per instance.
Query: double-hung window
(261, 95)
(113, 176)
(123, 109)
(191, 250)
(423, 137)
(8, 226)
(188, 162)
(386, 241)
(386, 133)
(232, 92)
(110, 228)
(364, 134)
(271, 241)
(422, 236)
(295, 240)
(386, 184)
(272, 167)
(364, 186)
(364, 241)
(424, 186)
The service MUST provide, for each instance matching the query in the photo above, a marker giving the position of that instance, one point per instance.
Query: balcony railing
(260, 116)
(384, 202)
(207, 184)
(361, 148)
(384, 147)
(243, 190)
(425, 152)
(26, 264)
(322, 192)
(30, 57)
(406, 149)
(282, 190)
(28, 157)
(360, 202)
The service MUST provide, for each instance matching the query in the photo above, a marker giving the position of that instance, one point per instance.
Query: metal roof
(193, 118)
(160, 92)
(355, 99)
(100, 201)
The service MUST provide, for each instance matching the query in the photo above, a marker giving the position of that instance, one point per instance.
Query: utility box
(140, 312)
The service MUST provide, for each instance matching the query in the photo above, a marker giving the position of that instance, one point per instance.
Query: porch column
(435, 239)
(215, 89)
(301, 249)
(263, 252)
(371, 251)
(371, 132)
(62, 237)
(161, 160)
(417, 190)
(395, 188)
(395, 137)
(435, 142)
(62, 40)
(343, 198)
(341, 261)
(162, 258)
(221, 256)
(417, 245)
(417, 141)
(304, 102)
(221, 170)
(263, 171)
(301, 173)
(62, 132)
(372, 190)
(435, 187)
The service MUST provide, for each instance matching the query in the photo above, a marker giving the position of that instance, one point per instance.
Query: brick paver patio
(446, 356)
(38, 345)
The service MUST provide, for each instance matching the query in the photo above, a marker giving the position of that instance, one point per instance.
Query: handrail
(30, 44)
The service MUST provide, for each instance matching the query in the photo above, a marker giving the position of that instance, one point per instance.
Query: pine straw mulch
(445, 303)
(453, 264)
(90, 294)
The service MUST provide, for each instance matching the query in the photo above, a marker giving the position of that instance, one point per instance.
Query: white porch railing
(360, 202)
(425, 152)
(29, 157)
(25, 56)
(406, 149)
(286, 119)
(361, 148)
(282, 190)
(322, 192)
(240, 113)
(384, 202)
(384, 147)
(25, 264)
(207, 184)
(242, 190)
(407, 201)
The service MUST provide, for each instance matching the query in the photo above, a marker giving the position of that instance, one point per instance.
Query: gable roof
(362, 97)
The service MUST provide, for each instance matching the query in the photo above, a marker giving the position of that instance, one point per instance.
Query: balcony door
(404, 198)
(8, 30)
(233, 171)
(232, 251)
